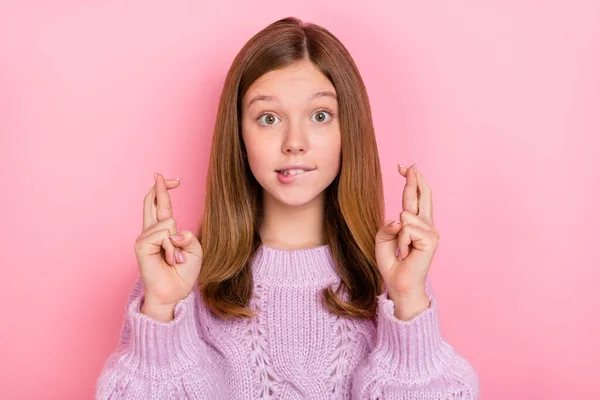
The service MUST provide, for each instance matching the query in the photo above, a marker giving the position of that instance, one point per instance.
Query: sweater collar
(298, 267)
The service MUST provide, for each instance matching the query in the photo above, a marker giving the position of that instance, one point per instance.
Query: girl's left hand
(416, 236)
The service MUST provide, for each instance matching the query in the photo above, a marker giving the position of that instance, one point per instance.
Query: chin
(296, 200)
(293, 197)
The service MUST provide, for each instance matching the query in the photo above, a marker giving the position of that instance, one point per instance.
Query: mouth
(291, 177)
(297, 173)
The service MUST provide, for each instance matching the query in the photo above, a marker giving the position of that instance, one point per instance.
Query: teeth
(292, 171)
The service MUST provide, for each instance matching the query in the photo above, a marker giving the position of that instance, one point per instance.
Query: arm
(155, 360)
(411, 360)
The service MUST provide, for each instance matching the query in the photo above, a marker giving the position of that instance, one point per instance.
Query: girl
(294, 287)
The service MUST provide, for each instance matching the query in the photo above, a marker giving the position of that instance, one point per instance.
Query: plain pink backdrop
(498, 102)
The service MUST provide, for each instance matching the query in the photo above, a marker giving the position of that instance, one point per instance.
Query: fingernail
(395, 223)
(179, 255)
(177, 237)
(415, 167)
(155, 175)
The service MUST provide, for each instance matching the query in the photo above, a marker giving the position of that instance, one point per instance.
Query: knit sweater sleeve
(159, 360)
(411, 359)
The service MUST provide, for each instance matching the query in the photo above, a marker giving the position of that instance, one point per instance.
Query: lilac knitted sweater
(293, 349)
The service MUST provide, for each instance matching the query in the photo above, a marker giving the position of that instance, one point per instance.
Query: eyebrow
(324, 93)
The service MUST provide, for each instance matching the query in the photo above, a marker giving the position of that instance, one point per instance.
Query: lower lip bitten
(290, 178)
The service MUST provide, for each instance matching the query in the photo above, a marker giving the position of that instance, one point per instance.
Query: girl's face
(290, 116)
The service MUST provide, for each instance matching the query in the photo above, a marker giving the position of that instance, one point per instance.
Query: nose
(295, 140)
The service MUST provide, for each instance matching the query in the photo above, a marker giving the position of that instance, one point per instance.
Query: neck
(290, 227)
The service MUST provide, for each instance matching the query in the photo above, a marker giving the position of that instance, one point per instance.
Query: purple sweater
(294, 348)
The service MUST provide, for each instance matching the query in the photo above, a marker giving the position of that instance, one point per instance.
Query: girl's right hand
(169, 260)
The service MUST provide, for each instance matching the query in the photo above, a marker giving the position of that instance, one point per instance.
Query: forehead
(296, 82)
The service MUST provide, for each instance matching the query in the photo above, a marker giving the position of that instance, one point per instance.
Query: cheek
(250, 138)
(258, 151)
(329, 146)
(257, 148)
(335, 153)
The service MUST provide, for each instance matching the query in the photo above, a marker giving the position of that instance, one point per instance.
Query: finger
(403, 170)
(149, 216)
(404, 241)
(409, 195)
(415, 220)
(154, 243)
(425, 199)
(386, 241)
(168, 224)
(411, 238)
(179, 255)
(187, 242)
(164, 208)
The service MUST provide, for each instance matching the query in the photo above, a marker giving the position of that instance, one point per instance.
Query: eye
(322, 115)
(270, 120)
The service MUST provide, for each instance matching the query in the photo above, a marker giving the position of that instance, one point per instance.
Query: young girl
(294, 287)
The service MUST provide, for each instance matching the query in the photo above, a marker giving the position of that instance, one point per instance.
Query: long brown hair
(354, 205)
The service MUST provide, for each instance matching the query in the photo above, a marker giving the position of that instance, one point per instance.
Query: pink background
(498, 102)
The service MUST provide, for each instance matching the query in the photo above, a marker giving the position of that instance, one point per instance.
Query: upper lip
(295, 166)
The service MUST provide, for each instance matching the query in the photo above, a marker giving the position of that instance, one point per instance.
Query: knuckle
(166, 233)
(433, 234)
(137, 246)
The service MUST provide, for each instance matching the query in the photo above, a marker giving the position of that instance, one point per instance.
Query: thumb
(187, 241)
(386, 242)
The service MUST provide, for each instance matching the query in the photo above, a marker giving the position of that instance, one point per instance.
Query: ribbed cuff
(413, 351)
(162, 350)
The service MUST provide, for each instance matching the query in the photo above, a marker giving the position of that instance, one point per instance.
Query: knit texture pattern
(294, 348)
